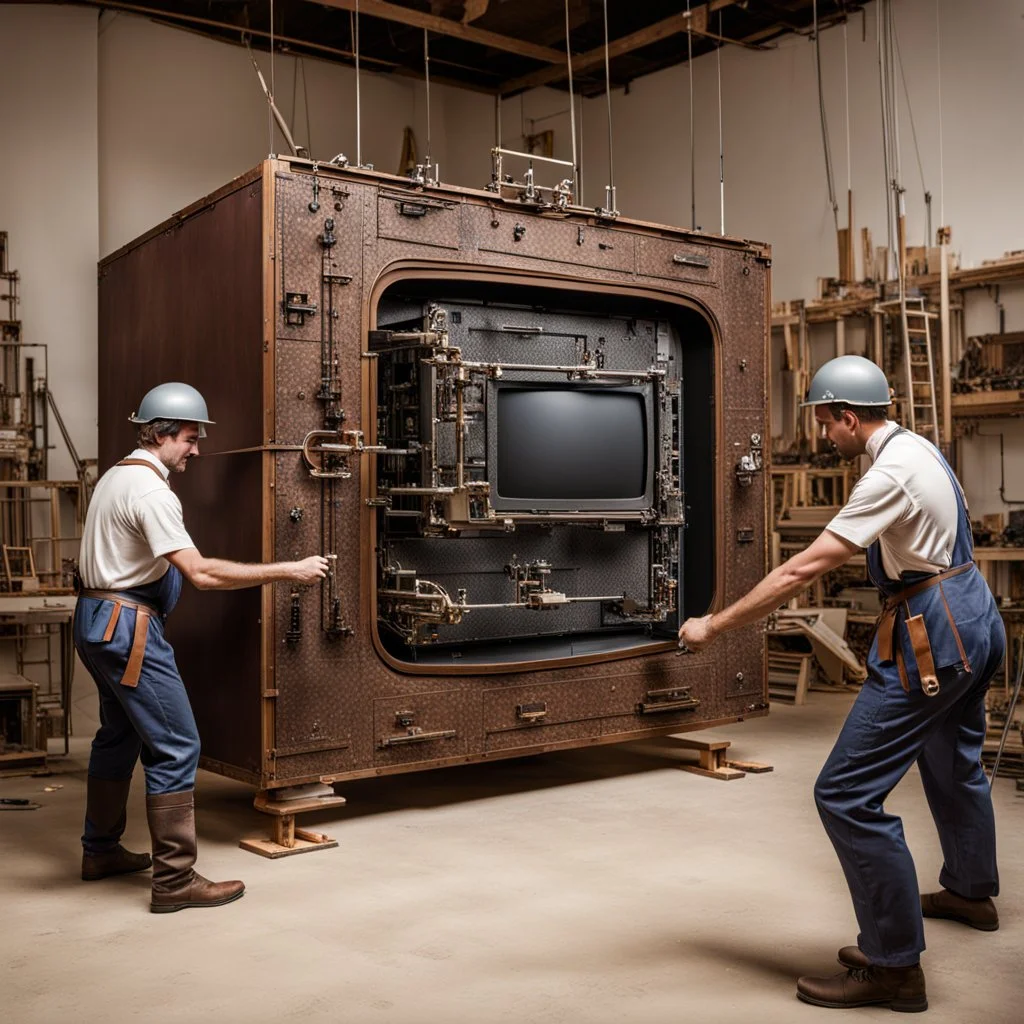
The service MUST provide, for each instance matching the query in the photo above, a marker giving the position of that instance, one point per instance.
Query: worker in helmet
(135, 550)
(938, 643)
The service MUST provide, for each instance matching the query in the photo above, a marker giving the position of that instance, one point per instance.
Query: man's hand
(697, 633)
(309, 570)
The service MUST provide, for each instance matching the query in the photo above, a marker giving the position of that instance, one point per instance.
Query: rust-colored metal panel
(376, 327)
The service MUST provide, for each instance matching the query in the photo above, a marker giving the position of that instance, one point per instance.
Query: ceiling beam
(447, 27)
(697, 22)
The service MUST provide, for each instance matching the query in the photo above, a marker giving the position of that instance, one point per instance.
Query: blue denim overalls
(894, 723)
(152, 718)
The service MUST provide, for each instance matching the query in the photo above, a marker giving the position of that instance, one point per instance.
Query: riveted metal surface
(336, 701)
(679, 261)
(507, 234)
(418, 220)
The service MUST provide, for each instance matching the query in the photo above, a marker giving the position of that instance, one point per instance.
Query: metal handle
(532, 712)
(415, 735)
(689, 260)
(655, 707)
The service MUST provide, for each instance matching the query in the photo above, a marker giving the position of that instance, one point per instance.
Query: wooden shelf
(988, 403)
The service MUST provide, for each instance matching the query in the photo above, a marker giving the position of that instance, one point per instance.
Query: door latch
(750, 463)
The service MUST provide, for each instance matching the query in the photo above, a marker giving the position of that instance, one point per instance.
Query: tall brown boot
(172, 824)
(106, 801)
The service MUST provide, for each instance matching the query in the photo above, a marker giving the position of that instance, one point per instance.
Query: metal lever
(751, 463)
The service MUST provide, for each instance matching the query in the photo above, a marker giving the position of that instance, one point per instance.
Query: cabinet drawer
(420, 219)
(678, 261)
(423, 727)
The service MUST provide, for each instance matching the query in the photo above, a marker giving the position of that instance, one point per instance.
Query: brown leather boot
(980, 914)
(899, 988)
(105, 814)
(851, 956)
(172, 824)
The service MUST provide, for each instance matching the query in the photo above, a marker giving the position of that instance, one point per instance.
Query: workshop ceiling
(498, 46)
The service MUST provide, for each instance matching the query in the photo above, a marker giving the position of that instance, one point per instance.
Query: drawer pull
(674, 699)
(689, 260)
(416, 735)
(532, 712)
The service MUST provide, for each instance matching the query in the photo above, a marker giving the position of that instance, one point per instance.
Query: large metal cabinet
(364, 345)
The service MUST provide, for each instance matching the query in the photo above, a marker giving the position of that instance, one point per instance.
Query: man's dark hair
(149, 433)
(865, 413)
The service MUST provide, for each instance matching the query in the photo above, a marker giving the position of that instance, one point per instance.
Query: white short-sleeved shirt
(134, 519)
(906, 501)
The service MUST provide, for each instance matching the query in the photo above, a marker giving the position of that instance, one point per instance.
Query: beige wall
(48, 200)
(119, 122)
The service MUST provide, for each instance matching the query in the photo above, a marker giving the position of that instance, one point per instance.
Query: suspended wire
(829, 177)
(572, 110)
(938, 76)
(910, 114)
(426, 75)
(721, 138)
(305, 104)
(693, 162)
(354, 29)
(846, 73)
(610, 196)
(882, 92)
(270, 111)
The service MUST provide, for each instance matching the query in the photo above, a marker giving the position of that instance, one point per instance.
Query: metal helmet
(173, 401)
(851, 379)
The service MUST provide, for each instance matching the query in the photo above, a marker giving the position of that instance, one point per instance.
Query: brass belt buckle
(930, 685)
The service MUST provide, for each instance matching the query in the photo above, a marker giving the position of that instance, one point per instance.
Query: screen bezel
(611, 506)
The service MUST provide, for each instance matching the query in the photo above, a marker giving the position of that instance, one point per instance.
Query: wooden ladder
(922, 414)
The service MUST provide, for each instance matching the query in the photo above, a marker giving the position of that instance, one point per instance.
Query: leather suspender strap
(142, 462)
(887, 620)
(143, 613)
(918, 633)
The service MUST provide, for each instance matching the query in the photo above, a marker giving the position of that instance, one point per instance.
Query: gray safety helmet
(851, 379)
(173, 401)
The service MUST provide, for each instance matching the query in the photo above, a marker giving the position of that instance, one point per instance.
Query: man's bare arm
(827, 552)
(220, 574)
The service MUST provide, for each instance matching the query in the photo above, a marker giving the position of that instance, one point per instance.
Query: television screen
(576, 447)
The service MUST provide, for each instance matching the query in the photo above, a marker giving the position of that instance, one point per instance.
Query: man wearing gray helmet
(938, 643)
(135, 551)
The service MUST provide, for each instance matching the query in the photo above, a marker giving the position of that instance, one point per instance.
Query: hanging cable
(721, 138)
(426, 76)
(572, 110)
(609, 192)
(846, 75)
(305, 104)
(913, 131)
(270, 111)
(693, 163)
(938, 76)
(883, 96)
(829, 177)
(354, 28)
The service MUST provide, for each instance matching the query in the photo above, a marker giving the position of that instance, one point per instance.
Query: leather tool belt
(143, 613)
(917, 631)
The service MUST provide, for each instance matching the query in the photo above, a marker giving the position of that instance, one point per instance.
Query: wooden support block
(287, 838)
(712, 763)
(754, 767)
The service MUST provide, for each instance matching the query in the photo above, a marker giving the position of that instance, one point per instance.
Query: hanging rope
(572, 110)
(829, 177)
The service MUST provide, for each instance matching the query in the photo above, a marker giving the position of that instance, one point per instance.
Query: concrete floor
(593, 886)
